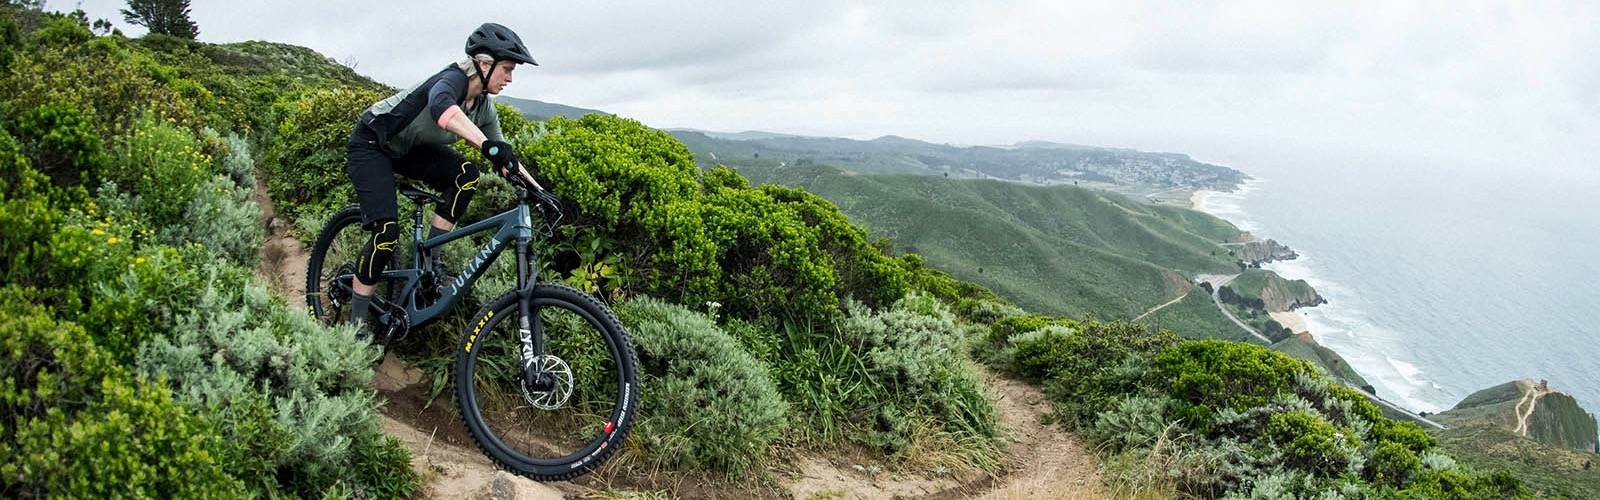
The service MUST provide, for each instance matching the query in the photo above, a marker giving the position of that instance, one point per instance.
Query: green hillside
(1551, 471)
(1057, 249)
(1309, 350)
(1554, 418)
(535, 109)
(145, 356)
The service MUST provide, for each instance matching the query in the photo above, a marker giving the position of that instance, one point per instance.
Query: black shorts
(372, 171)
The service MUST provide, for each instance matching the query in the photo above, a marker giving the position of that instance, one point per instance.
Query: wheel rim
(544, 431)
(336, 258)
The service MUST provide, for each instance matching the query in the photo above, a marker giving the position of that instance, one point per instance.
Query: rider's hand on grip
(500, 154)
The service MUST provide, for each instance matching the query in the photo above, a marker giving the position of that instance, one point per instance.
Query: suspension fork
(530, 325)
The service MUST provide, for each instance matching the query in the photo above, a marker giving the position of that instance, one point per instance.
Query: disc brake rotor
(556, 374)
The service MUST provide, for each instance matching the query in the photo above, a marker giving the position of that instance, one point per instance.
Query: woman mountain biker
(410, 133)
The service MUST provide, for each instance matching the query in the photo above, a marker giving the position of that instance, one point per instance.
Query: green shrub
(916, 368)
(1086, 371)
(1134, 422)
(1392, 464)
(297, 392)
(1002, 330)
(305, 166)
(60, 30)
(163, 164)
(10, 37)
(1309, 442)
(223, 219)
(26, 212)
(760, 252)
(73, 424)
(1461, 484)
(863, 272)
(1210, 375)
(59, 74)
(137, 303)
(62, 142)
(712, 405)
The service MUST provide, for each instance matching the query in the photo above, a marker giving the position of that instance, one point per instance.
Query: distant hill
(1059, 249)
(1528, 409)
(1037, 162)
(540, 110)
(748, 135)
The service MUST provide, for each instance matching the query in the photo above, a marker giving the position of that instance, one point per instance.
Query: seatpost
(416, 225)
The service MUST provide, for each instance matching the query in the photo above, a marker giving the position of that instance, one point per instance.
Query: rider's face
(501, 76)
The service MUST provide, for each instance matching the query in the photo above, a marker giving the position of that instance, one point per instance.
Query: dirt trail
(1044, 462)
(1160, 307)
(1531, 398)
(283, 261)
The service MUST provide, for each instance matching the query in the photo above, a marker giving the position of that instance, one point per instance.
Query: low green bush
(1207, 376)
(297, 391)
(710, 404)
(913, 368)
(74, 424)
(163, 165)
(1086, 368)
(1309, 442)
(759, 252)
(305, 165)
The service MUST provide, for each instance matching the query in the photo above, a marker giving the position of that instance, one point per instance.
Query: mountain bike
(545, 376)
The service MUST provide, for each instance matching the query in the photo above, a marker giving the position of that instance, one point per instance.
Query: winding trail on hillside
(1162, 306)
(1531, 398)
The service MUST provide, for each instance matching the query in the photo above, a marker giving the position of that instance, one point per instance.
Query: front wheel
(560, 414)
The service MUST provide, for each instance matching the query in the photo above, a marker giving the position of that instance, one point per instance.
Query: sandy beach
(1291, 320)
(1198, 199)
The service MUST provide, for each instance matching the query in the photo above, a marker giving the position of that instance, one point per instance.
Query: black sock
(360, 307)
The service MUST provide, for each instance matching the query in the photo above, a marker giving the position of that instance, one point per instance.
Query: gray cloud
(1511, 83)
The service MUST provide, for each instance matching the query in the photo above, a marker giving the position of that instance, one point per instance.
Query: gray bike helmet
(500, 43)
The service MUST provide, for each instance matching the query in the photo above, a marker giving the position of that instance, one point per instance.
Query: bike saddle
(418, 195)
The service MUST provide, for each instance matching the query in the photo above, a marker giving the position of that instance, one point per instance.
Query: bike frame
(512, 226)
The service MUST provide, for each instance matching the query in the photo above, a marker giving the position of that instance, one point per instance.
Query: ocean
(1440, 281)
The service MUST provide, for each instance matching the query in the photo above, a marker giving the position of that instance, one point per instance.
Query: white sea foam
(1375, 352)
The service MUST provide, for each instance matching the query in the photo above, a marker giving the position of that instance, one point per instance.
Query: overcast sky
(1514, 84)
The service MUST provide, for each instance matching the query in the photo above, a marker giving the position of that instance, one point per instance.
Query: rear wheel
(567, 411)
(331, 268)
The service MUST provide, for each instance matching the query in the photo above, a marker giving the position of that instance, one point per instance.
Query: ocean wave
(1374, 351)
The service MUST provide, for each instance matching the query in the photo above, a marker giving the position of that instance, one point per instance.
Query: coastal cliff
(1254, 253)
(1265, 290)
(1530, 409)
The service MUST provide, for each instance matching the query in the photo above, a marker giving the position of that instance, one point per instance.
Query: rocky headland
(1253, 253)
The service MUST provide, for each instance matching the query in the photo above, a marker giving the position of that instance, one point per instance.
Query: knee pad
(385, 234)
(465, 184)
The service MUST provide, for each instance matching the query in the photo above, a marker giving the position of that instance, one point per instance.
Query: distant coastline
(1297, 321)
